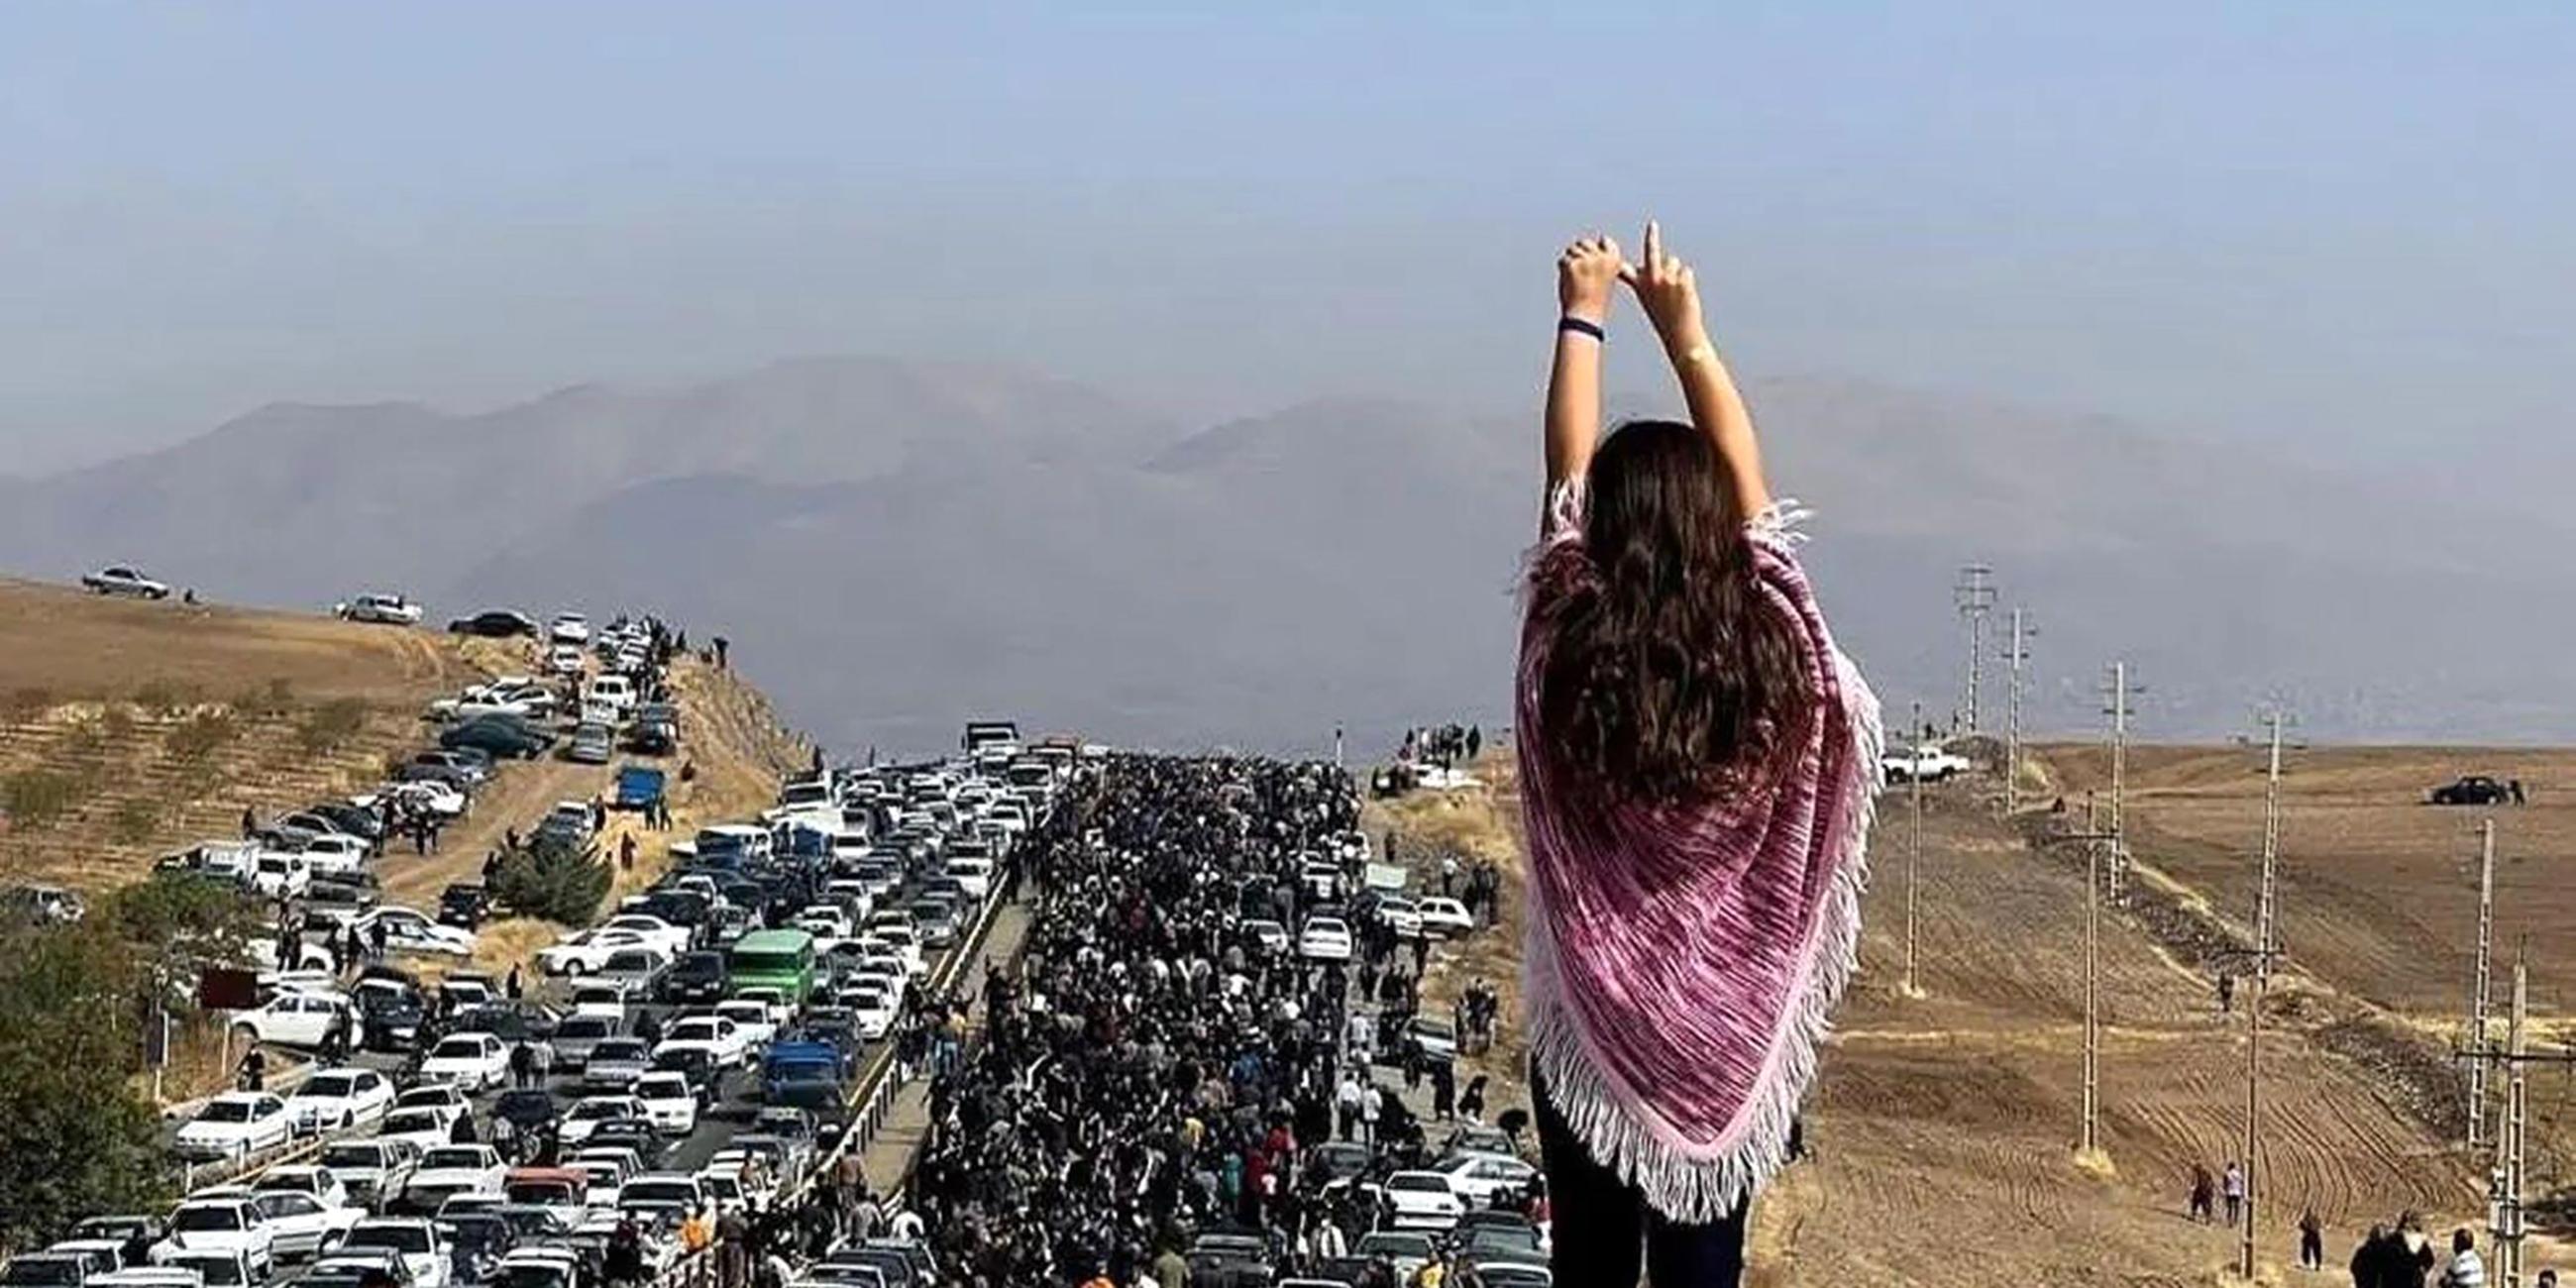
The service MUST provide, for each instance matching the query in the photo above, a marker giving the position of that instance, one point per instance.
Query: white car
(873, 1007)
(450, 1101)
(753, 1016)
(321, 1184)
(415, 1240)
(1444, 916)
(447, 1170)
(671, 939)
(299, 1019)
(228, 1223)
(1420, 1201)
(475, 1061)
(590, 950)
(565, 659)
(606, 1001)
(344, 855)
(416, 1128)
(569, 628)
(722, 1040)
(236, 1125)
(1324, 939)
(1478, 1177)
(370, 1170)
(1401, 914)
(974, 876)
(1270, 935)
(118, 579)
(299, 1224)
(589, 1112)
(409, 931)
(275, 876)
(389, 610)
(670, 1104)
(1928, 763)
(337, 1099)
(420, 795)
(613, 691)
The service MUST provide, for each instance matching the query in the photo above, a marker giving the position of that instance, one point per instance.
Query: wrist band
(1580, 326)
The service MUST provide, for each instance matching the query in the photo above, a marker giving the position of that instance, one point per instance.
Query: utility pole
(2012, 712)
(1975, 596)
(2086, 1140)
(2483, 976)
(2509, 1239)
(2266, 947)
(1913, 854)
(2118, 711)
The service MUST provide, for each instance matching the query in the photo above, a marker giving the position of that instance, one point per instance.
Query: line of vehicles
(704, 1041)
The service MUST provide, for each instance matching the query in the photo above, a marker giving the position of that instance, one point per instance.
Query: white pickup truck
(391, 610)
(1928, 763)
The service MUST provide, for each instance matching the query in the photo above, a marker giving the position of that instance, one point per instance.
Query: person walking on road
(2312, 1241)
(1697, 760)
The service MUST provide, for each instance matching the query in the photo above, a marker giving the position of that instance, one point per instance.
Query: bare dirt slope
(129, 728)
(1944, 1125)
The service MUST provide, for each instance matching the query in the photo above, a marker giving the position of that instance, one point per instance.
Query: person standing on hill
(1687, 728)
(2231, 1187)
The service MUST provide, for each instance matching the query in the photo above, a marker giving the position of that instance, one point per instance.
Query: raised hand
(1669, 293)
(1587, 274)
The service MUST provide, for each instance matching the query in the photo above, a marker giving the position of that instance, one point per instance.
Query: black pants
(1602, 1224)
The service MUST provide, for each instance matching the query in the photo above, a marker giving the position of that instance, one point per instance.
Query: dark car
(511, 1020)
(390, 1019)
(705, 1076)
(499, 624)
(630, 1133)
(1230, 1259)
(528, 1108)
(500, 736)
(465, 904)
(695, 978)
(2472, 789)
(363, 823)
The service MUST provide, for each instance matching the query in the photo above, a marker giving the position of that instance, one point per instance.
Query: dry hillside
(1944, 1124)
(128, 729)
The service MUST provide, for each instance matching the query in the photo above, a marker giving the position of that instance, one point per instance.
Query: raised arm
(1669, 292)
(1587, 274)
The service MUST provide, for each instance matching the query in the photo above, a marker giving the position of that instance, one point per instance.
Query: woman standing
(1698, 763)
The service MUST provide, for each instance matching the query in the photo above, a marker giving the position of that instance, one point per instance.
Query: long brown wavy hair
(1671, 676)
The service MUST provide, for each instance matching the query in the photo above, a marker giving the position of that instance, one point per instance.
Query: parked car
(2472, 789)
(476, 1061)
(498, 623)
(228, 1223)
(407, 930)
(390, 610)
(1324, 939)
(499, 737)
(1928, 763)
(593, 743)
(336, 1099)
(120, 579)
(370, 1170)
(569, 628)
(292, 1019)
(464, 905)
(235, 1127)
(415, 1239)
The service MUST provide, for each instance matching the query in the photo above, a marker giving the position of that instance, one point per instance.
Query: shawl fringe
(1700, 1187)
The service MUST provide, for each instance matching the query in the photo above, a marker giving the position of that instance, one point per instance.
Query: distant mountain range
(895, 547)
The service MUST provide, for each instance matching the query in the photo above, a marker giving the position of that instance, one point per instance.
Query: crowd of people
(1154, 1073)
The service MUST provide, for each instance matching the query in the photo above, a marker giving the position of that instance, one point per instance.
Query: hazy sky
(2342, 228)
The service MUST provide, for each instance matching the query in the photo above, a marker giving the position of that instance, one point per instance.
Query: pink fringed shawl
(1681, 961)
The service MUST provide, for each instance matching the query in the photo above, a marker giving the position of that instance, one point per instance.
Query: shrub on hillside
(115, 723)
(268, 701)
(200, 735)
(554, 880)
(327, 727)
(134, 822)
(168, 697)
(25, 704)
(36, 798)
